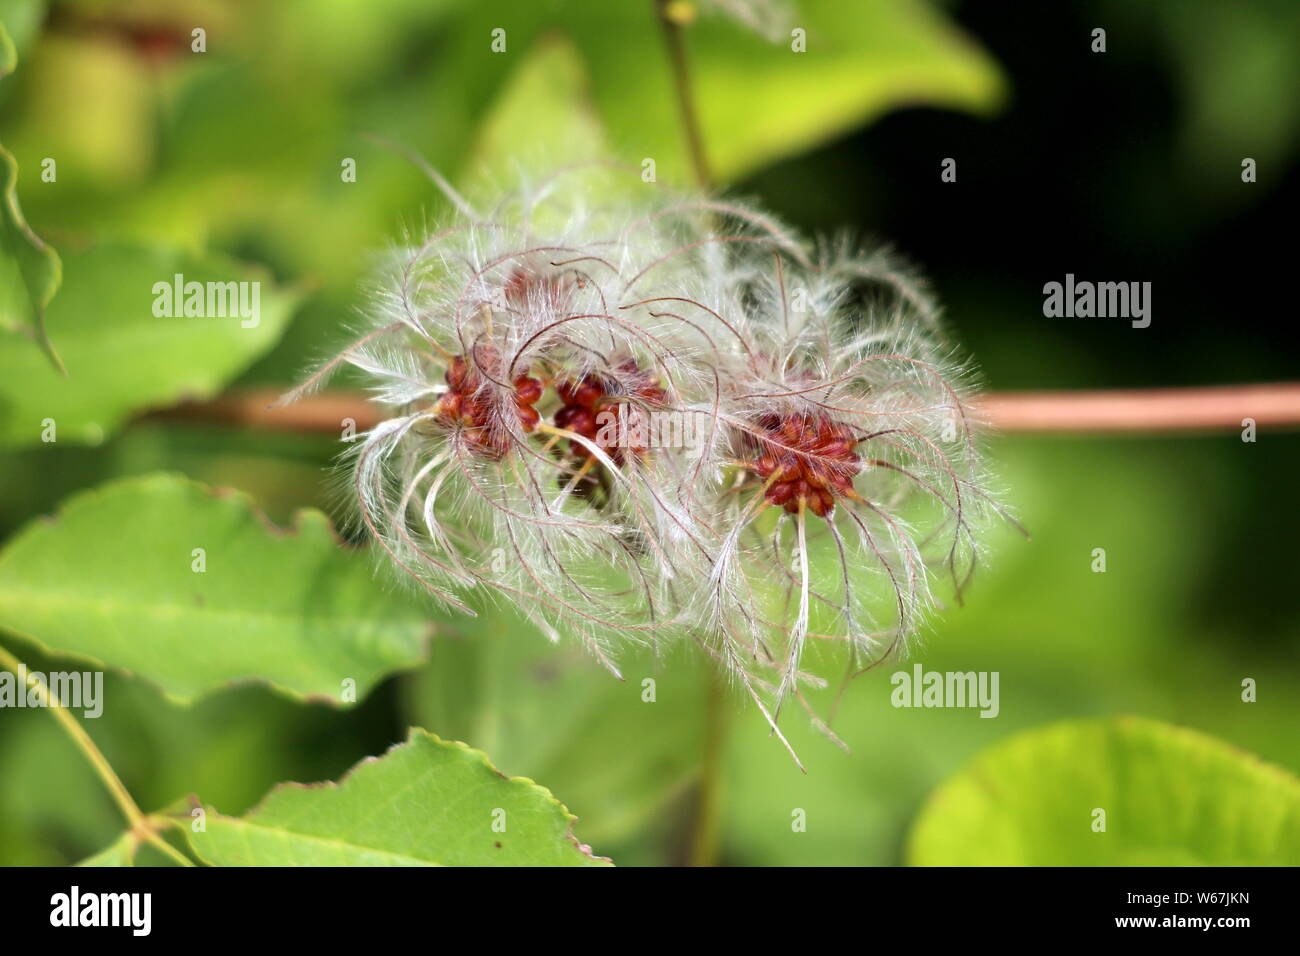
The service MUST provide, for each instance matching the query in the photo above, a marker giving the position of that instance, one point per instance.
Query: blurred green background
(1123, 166)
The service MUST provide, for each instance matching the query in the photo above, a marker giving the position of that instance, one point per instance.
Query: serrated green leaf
(1172, 797)
(30, 270)
(110, 580)
(122, 358)
(426, 802)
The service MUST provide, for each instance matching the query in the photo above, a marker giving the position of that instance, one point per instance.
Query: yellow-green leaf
(1119, 792)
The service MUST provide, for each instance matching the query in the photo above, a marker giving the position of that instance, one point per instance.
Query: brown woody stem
(1137, 410)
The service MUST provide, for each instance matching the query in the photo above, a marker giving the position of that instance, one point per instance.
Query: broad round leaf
(1170, 797)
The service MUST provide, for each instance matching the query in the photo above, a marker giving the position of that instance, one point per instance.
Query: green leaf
(8, 53)
(1172, 797)
(121, 357)
(29, 269)
(121, 852)
(90, 101)
(110, 580)
(544, 102)
(426, 802)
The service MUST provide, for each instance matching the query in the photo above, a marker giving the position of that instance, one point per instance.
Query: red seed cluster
(585, 398)
(467, 405)
(811, 457)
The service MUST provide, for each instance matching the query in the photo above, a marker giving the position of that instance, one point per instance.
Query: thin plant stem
(141, 827)
(676, 43)
(706, 834)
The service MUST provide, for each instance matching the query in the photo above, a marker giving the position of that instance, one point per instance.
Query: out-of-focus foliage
(120, 356)
(1233, 61)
